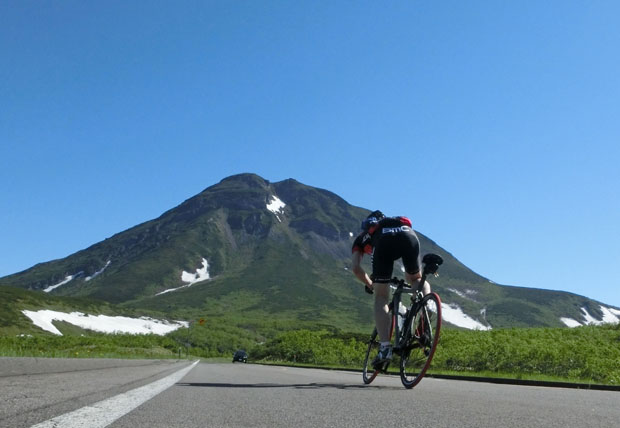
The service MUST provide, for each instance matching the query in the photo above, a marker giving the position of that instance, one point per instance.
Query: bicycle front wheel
(369, 373)
(420, 341)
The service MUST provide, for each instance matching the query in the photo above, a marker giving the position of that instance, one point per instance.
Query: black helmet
(372, 219)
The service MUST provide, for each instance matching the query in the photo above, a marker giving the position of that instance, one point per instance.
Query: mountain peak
(247, 179)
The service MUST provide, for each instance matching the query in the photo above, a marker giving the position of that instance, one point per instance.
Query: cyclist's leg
(410, 248)
(382, 266)
(414, 280)
(383, 319)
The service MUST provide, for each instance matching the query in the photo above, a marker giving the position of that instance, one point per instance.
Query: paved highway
(247, 395)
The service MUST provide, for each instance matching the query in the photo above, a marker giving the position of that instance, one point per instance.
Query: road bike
(415, 330)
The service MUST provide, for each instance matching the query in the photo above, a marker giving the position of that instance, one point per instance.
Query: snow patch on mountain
(589, 319)
(465, 294)
(569, 322)
(201, 274)
(67, 279)
(70, 278)
(102, 323)
(610, 316)
(453, 314)
(276, 206)
(99, 272)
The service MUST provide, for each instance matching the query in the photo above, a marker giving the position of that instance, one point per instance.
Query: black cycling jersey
(390, 239)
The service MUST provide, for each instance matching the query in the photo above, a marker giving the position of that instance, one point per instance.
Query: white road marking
(103, 413)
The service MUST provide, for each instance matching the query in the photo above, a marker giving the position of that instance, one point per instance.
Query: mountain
(254, 253)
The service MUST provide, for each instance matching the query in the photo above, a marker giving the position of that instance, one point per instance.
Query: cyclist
(386, 239)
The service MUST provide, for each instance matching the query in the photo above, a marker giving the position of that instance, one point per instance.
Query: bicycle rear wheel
(420, 342)
(369, 373)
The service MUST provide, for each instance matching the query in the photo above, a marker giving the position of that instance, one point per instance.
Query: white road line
(103, 413)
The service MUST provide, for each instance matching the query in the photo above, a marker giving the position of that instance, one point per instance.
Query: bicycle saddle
(431, 263)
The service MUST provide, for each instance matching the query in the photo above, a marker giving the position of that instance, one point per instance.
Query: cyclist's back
(388, 239)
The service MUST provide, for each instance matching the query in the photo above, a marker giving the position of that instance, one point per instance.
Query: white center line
(103, 413)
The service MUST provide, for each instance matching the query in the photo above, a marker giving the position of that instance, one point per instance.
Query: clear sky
(494, 125)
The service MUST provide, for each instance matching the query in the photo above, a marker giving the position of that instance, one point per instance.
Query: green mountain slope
(273, 252)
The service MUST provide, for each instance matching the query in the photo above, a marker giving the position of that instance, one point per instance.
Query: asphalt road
(247, 395)
(33, 390)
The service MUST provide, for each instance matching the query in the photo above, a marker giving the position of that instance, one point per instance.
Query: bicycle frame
(417, 295)
(413, 363)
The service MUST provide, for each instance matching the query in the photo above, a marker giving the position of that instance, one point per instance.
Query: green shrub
(313, 347)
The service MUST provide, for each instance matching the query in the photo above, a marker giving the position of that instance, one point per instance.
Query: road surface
(247, 395)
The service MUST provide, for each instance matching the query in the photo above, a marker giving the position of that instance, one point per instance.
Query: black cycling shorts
(390, 247)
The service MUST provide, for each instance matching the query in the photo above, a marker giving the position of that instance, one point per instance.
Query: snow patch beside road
(102, 323)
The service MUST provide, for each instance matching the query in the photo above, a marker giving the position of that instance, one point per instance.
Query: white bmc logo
(395, 229)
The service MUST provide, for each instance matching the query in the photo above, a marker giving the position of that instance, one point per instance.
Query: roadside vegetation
(587, 354)
(90, 346)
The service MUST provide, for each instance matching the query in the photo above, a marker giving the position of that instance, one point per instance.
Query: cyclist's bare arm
(358, 270)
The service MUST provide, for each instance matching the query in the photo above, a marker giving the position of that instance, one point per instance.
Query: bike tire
(369, 373)
(421, 336)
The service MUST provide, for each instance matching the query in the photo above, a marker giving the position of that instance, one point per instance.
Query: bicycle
(415, 329)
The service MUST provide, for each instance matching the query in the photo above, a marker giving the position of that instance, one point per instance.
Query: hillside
(251, 252)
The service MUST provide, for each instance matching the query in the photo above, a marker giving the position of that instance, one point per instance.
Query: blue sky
(493, 125)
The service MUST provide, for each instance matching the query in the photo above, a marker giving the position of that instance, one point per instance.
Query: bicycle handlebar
(399, 283)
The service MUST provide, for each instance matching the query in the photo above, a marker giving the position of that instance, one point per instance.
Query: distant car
(240, 356)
